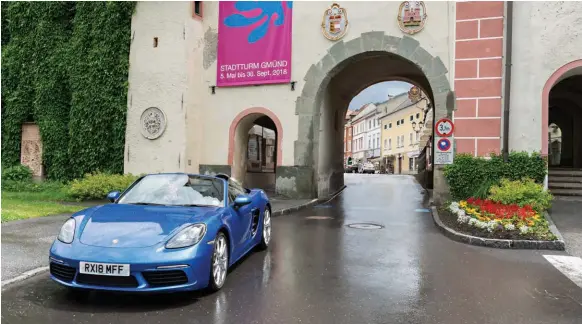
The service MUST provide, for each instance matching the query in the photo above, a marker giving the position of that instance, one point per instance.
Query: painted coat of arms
(411, 16)
(335, 22)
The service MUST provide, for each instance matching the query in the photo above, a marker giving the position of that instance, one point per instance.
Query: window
(417, 115)
(417, 137)
(385, 126)
(411, 117)
(369, 143)
(410, 140)
(402, 140)
(198, 9)
(385, 144)
(410, 164)
(397, 141)
(390, 125)
(402, 121)
(377, 141)
(369, 124)
(389, 143)
(397, 122)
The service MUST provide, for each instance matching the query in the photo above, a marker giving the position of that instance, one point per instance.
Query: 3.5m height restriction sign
(444, 127)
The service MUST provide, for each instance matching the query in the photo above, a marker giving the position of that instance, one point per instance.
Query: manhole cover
(365, 226)
(318, 217)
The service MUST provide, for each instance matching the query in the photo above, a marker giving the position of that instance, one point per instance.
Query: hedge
(65, 67)
(96, 186)
(468, 175)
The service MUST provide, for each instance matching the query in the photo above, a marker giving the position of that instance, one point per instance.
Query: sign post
(444, 153)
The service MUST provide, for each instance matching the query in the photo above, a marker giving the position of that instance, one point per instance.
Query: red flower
(499, 210)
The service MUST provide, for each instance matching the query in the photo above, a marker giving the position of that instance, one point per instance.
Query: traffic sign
(444, 127)
(444, 144)
(444, 153)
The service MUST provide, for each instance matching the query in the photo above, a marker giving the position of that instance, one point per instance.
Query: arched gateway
(346, 69)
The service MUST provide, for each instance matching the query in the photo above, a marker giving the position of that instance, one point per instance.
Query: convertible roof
(223, 176)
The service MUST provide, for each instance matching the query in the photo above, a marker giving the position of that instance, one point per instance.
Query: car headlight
(67, 232)
(189, 236)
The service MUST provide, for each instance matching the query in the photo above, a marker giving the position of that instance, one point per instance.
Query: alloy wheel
(267, 226)
(220, 261)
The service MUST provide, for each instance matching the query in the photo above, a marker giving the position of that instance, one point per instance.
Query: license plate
(104, 269)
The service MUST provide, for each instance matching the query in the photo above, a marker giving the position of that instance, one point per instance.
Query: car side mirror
(112, 196)
(242, 200)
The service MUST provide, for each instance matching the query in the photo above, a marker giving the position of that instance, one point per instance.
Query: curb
(34, 272)
(557, 245)
(311, 203)
(24, 276)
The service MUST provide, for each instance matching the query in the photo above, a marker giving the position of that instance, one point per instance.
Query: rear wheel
(219, 262)
(266, 237)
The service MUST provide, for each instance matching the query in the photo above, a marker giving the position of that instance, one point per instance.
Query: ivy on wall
(98, 73)
(65, 66)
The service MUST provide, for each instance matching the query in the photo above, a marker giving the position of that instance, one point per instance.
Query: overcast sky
(379, 92)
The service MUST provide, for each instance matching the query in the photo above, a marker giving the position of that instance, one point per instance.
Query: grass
(24, 201)
(18, 208)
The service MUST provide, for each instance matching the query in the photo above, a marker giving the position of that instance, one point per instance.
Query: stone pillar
(31, 149)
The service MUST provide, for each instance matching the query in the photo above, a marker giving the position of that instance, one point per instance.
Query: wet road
(319, 270)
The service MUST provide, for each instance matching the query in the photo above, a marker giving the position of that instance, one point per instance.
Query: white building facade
(458, 58)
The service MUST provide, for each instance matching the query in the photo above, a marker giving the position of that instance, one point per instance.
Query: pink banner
(254, 42)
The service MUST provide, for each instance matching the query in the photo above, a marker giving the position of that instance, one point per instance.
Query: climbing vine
(65, 66)
(98, 70)
(18, 58)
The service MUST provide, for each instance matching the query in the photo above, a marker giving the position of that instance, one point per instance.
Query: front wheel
(266, 237)
(219, 262)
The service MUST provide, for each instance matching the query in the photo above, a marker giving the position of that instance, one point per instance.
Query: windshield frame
(138, 180)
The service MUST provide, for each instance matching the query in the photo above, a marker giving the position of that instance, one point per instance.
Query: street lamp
(415, 129)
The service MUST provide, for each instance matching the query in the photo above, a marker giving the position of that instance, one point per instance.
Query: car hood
(135, 226)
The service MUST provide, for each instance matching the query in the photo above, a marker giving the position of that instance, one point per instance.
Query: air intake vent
(62, 272)
(165, 278)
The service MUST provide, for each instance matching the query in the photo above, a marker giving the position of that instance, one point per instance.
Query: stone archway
(341, 55)
(239, 140)
(565, 71)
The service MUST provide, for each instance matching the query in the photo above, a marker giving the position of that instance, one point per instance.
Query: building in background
(366, 136)
(348, 137)
(402, 126)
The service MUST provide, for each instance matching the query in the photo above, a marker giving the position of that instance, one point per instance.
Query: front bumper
(151, 269)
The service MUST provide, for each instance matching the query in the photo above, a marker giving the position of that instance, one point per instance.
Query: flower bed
(491, 219)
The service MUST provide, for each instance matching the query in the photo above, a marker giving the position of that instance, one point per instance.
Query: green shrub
(468, 174)
(98, 185)
(522, 192)
(29, 186)
(17, 173)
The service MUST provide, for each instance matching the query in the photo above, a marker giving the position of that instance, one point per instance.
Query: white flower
(509, 227)
(480, 224)
(461, 213)
(463, 219)
(473, 222)
(454, 205)
(491, 225)
(524, 229)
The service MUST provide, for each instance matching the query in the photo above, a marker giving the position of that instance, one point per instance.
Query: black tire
(214, 284)
(264, 244)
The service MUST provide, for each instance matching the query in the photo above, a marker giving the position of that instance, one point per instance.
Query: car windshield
(175, 190)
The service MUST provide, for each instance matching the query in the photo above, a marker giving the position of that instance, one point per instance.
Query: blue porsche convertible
(166, 232)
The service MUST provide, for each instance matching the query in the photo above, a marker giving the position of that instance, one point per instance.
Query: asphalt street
(25, 243)
(321, 270)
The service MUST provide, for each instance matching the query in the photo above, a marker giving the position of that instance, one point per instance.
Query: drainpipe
(507, 90)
